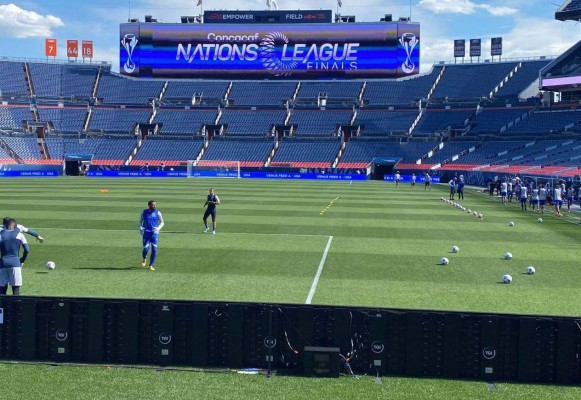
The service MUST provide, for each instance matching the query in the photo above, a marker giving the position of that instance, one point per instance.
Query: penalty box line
(319, 272)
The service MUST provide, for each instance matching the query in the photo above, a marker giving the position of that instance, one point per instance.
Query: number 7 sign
(50, 47)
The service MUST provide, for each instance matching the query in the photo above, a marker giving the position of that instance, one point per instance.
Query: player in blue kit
(211, 202)
(11, 239)
(150, 224)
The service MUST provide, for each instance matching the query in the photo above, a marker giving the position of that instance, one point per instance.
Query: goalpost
(213, 169)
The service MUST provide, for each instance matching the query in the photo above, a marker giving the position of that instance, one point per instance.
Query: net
(213, 169)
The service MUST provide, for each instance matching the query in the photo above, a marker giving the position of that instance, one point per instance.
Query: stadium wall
(523, 348)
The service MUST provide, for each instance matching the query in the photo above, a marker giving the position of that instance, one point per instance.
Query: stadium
(339, 249)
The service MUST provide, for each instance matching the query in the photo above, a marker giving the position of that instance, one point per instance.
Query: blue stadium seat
(12, 78)
(251, 123)
(471, 81)
(333, 89)
(522, 79)
(319, 122)
(12, 117)
(491, 120)
(246, 151)
(187, 89)
(364, 150)
(184, 122)
(118, 90)
(385, 122)
(294, 150)
(261, 93)
(66, 119)
(159, 148)
(121, 120)
(540, 122)
(437, 120)
(25, 146)
(395, 92)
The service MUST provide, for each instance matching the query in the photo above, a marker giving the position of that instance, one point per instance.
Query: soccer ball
(455, 249)
(469, 211)
(531, 270)
(507, 278)
(445, 261)
(475, 213)
(50, 265)
(480, 216)
(508, 256)
(540, 220)
(511, 223)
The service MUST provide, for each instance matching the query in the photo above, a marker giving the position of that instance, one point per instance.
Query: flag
(199, 3)
(339, 3)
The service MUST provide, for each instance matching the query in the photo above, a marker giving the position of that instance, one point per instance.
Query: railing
(505, 60)
(54, 61)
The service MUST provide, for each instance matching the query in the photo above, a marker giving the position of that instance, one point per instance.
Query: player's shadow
(108, 268)
(41, 272)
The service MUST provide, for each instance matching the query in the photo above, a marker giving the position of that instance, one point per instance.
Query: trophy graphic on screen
(409, 42)
(129, 42)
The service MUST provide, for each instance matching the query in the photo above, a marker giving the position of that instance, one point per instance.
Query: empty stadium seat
(385, 122)
(250, 152)
(307, 153)
(319, 122)
(251, 123)
(121, 120)
(12, 78)
(184, 122)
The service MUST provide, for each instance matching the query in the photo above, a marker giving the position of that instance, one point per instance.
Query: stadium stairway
(14, 158)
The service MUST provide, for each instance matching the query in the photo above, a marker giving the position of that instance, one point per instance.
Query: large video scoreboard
(270, 51)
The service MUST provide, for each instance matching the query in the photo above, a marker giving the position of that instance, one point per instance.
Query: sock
(3, 289)
(15, 290)
(144, 252)
(153, 255)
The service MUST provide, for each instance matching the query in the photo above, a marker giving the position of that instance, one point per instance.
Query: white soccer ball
(508, 256)
(50, 265)
(507, 278)
(531, 270)
(540, 220)
(511, 223)
(469, 211)
(445, 261)
(455, 249)
(475, 213)
(480, 216)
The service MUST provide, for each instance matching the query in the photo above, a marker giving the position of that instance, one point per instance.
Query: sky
(528, 27)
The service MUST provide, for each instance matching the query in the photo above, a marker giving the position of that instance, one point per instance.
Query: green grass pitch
(385, 250)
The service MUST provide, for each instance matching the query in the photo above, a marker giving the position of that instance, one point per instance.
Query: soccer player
(536, 200)
(428, 183)
(11, 238)
(23, 229)
(460, 187)
(570, 196)
(558, 200)
(397, 178)
(211, 202)
(542, 198)
(523, 197)
(503, 192)
(452, 184)
(150, 224)
(413, 181)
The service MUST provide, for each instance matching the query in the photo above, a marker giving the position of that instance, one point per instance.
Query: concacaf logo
(270, 60)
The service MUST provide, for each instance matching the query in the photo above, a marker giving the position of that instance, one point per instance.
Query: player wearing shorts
(413, 181)
(11, 239)
(558, 201)
(570, 196)
(211, 202)
(523, 197)
(503, 192)
(428, 182)
(397, 178)
(150, 224)
(535, 199)
(542, 198)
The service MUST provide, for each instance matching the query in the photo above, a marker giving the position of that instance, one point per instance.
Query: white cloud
(464, 7)
(19, 23)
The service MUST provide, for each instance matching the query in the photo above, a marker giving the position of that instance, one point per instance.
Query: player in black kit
(211, 202)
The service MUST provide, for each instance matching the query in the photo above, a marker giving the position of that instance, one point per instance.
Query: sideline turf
(386, 247)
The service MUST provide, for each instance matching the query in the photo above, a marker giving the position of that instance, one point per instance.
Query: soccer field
(369, 244)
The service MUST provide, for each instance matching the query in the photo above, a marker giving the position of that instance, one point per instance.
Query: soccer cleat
(151, 268)
(143, 262)
(213, 232)
(206, 230)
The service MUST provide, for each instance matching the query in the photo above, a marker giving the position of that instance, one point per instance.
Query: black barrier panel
(236, 335)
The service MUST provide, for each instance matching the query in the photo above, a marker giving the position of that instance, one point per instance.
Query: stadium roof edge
(55, 61)
(568, 15)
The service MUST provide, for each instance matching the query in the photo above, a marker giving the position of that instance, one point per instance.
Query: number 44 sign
(72, 48)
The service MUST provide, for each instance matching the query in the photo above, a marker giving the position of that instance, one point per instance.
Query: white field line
(319, 271)
(136, 230)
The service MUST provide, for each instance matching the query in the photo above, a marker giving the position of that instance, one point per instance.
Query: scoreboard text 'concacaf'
(270, 51)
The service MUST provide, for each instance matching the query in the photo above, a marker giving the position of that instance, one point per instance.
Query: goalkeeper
(211, 202)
